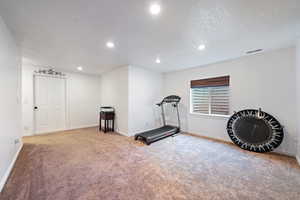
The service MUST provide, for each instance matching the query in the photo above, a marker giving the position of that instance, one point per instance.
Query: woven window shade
(211, 82)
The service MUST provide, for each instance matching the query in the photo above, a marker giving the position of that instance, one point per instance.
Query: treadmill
(166, 130)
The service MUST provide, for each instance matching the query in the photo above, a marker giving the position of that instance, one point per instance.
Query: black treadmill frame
(144, 136)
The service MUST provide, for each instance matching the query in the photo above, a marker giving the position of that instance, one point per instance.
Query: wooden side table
(107, 115)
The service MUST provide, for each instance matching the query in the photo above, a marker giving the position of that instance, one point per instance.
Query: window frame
(209, 111)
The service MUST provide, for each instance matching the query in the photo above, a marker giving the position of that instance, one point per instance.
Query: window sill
(210, 115)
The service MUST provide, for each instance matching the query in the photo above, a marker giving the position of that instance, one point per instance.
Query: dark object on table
(255, 130)
(107, 115)
(166, 130)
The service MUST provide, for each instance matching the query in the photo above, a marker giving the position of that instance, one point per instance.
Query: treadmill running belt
(156, 134)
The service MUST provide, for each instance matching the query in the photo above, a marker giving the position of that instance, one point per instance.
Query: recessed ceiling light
(79, 68)
(155, 9)
(201, 47)
(110, 45)
(157, 60)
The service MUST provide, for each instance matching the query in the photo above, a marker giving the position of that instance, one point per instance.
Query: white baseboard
(9, 169)
(284, 153)
(68, 129)
(80, 127)
(298, 159)
(121, 133)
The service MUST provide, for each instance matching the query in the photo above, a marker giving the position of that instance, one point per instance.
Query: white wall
(264, 81)
(10, 106)
(114, 92)
(145, 90)
(298, 96)
(83, 100)
(133, 92)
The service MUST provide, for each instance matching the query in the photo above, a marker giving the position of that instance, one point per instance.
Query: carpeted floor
(87, 165)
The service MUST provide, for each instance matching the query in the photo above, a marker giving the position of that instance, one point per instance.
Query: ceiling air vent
(254, 51)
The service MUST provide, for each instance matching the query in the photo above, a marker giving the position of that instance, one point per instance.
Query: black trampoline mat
(252, 130)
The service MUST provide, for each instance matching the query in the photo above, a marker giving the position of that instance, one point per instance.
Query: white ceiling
(70, 33)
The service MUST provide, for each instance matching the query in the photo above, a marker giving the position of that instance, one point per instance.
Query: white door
(50, 104)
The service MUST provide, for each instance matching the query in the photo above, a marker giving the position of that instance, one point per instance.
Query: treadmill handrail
(174, 100)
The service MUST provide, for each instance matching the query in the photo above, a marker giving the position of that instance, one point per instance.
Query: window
(210, 96)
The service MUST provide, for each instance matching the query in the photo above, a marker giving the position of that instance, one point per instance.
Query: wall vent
(254, 51)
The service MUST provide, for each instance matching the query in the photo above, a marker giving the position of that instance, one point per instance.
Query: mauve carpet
(87, 165)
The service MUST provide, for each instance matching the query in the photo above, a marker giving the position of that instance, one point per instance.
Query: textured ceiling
(71, 33)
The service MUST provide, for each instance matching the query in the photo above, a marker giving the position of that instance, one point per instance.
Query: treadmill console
(171, 99)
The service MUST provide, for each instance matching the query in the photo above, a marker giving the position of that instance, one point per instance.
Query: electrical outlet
(17, 141)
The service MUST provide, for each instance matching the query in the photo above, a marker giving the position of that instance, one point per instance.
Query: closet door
(50, 104)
